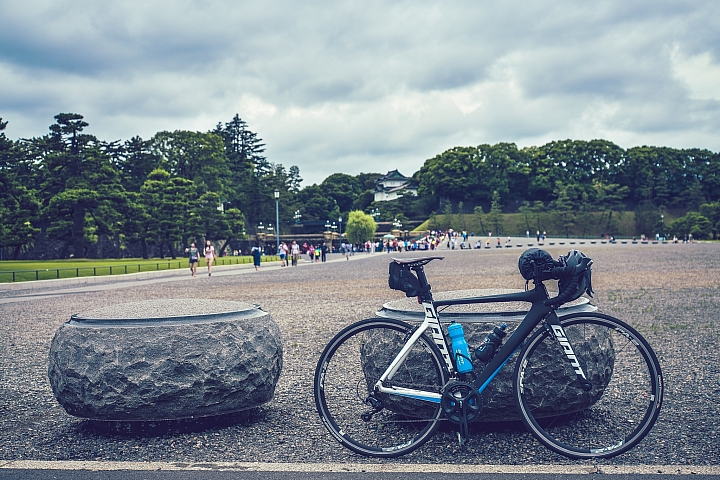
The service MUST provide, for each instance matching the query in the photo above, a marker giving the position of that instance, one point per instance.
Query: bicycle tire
(347, 372)
(624, 393)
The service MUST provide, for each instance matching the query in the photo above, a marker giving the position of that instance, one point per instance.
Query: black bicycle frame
(538, 312)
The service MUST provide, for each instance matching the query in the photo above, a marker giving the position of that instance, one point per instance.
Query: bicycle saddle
(415, 262)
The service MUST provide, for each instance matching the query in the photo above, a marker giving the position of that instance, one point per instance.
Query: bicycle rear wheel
(604, 416)
(366, 421)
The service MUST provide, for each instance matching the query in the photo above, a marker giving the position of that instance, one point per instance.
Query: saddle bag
(402, 278)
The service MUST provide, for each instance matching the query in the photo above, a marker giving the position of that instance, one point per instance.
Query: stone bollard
(165, 360)
(478, 320)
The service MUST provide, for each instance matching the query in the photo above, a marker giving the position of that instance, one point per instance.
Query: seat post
(424, 284)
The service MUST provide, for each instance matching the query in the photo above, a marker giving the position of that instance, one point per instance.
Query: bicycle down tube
(538, 311)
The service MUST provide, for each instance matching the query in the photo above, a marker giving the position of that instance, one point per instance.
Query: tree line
(90, 197)
(79, 191)
(569, 179)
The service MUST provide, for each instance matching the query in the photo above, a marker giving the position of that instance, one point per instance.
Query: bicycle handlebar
(571, 272)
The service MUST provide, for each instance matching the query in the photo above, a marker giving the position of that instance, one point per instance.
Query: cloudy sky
(368, 86)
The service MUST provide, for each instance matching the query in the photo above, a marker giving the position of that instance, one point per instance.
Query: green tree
(495, 216)
(526, 210)
(572, 162)
(471, 173)
(170, 203)
(692, 223)
(19, 207)
(609, 198)
(646, 217)
(195, 156)
(448, 216)
(211, 222)
(538, 207)
(136, 162)
(136, 224)
(235, 221)
(364, 201)
(254, 178)
(460, 222)
(360, 227)
(315, 204)
(244, 149)
(208, 219)
(564, 207)
(433, 223)
(479, 216)
(342, 188)
(367, 180)
(711, 211)
(81, 189)
(585, 215)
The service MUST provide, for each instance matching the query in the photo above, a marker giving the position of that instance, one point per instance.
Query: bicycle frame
(537, 313)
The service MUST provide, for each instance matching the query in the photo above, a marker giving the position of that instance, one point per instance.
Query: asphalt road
(347, 472)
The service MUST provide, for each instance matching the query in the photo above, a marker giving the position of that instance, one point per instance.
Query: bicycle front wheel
(362, 419)
(606, 413)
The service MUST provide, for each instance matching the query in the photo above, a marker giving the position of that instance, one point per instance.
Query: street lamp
(398, 225)
(277, 221)
(375, 213)
(261, 230)
(340, 221)
(327, 225)
(662, 221)
(297, 216)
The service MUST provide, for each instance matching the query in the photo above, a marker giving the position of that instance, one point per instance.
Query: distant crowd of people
(290, 253)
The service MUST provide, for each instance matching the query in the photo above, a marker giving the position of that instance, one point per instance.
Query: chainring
(461, 399)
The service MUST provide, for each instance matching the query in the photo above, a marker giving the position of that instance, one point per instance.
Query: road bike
(586, 385)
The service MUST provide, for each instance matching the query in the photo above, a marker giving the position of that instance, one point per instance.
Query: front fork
(552, 324)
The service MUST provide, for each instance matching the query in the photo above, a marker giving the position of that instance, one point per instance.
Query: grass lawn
(25, 270)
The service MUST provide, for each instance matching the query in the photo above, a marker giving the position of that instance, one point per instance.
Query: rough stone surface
(187, 358)
(498, 401)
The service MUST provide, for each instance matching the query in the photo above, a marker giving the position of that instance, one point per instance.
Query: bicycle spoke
(367, 421)
(618, 410)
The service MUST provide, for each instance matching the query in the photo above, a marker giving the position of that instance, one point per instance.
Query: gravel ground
(670, 293)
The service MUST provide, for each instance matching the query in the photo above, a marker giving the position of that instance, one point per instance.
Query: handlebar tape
(574, 273)
(565, 295)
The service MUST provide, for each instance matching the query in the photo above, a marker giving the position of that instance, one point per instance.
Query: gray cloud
(368, 86)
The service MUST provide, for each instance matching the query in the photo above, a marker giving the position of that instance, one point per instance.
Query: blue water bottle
(460, 348)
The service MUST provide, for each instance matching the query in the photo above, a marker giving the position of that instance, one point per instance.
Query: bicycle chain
(418, 386)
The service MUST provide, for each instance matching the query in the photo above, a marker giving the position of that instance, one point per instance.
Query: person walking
(194, 258)
(209, 253)
(323, 250)
(295, 252)
(257, 255)
(283, 254)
